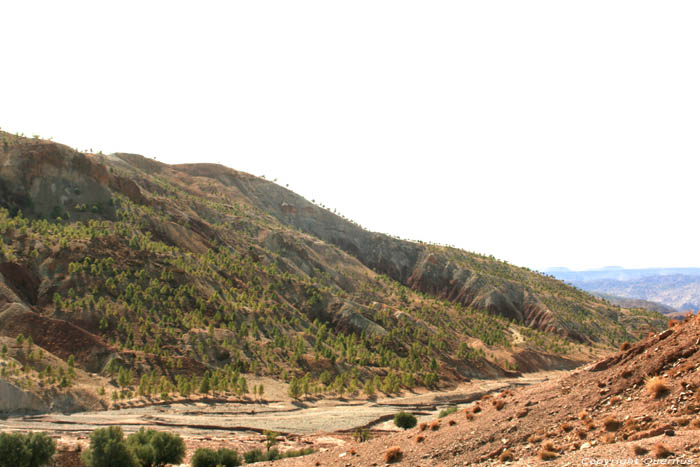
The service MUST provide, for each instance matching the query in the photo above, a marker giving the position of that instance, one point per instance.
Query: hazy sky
(552, 133)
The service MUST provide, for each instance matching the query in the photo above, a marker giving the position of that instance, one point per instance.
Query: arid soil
(601, 412)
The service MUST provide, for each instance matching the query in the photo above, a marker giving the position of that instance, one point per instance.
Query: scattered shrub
(420, 438)
(522, 413)
(108, 449)
(468, 415)
(581, 433)
(548, 446)
(695, 423)
(498, 404)
(476, 409)
(257, 455)
(661, 451)
(506, 456)
(155, 448)
(612, 424)
(435, 425)
(393, 454)
(30, 450)
(405, 420)
(422, 426)
(656, 386)
(253, 456)
(582, 415)
(547, 455)
(361, 435)
(640, 450)
(534, 438)
(209, 458)
(452, 422)
(447, 411)
(625, 346)
(683, 421)
(631, 424)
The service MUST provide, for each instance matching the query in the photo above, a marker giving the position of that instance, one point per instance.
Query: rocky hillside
(641, 403)
(170, 280)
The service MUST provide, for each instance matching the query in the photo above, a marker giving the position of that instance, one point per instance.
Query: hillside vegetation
(174, 280)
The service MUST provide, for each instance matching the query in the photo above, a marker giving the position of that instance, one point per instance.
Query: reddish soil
(600, 412)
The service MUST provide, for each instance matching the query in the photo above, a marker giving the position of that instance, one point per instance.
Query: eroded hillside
(639, 406)
(168, 280)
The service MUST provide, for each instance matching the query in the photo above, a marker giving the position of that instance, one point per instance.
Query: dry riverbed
(320, 424)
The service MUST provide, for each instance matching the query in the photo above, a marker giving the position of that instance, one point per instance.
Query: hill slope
(175, 279)
(607, 410)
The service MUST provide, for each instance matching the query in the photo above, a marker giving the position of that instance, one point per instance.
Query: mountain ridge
(180, 273)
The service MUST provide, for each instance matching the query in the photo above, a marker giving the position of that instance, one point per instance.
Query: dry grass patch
(656, 386)
(548, 446)
(546, 455)
(639, 450)
(612, 424)
(393, 454)
(506, 456)
(682, 421)
(661, 451)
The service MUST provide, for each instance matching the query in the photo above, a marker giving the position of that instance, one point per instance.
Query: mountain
(678, 288)
(148, 279)
(638, 303)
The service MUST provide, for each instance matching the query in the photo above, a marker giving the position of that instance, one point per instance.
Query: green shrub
(447, 411)
(32, 450)
(209, 458)
(155, 448)
(228, 458)
(253, 456)
(361, 435)
(405, 420)
(108, 449)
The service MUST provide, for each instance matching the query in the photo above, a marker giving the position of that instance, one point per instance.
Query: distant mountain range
(678, 288)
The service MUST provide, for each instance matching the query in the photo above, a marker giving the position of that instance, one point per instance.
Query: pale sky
(546, 133)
